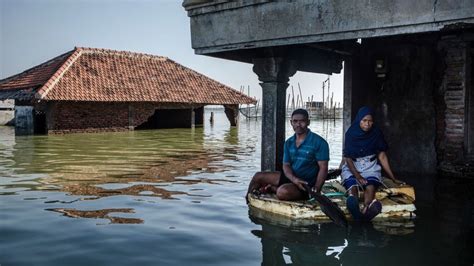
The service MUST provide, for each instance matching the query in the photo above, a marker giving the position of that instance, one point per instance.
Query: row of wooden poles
(326, 111)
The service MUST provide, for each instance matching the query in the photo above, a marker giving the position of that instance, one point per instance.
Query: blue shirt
(304, 159)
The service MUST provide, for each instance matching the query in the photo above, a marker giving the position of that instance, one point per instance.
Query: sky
(34, 31)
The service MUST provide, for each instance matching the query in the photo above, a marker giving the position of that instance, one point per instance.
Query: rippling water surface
(175, 197)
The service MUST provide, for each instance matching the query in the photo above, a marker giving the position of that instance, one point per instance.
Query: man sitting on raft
(305, 163)
(364, 146)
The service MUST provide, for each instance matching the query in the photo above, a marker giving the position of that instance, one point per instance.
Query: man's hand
(299, 183)
(398, 182)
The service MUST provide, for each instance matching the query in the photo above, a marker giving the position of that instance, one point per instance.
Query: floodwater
(176, 197)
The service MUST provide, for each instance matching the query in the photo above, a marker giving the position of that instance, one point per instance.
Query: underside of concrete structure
(410, 61)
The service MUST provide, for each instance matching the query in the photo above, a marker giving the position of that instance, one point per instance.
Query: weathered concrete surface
(236, 25)
(7, 117)
(274, 74)
(7, 104)
(7, 113)
(232, 113)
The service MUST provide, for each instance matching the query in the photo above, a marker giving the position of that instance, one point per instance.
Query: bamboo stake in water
(301, 95)
(324, 83)
(293, 98)
(248, 108)
(288, 104)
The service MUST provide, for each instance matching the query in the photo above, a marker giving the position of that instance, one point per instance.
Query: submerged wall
(68, 117)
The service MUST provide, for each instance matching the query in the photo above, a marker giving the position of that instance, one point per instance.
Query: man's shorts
(283, 179)
(352, 181)
(286, 180)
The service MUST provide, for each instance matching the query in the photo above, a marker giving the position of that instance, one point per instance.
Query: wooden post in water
(292, 99)
(256, 108)
(301, 95)
(332, 96)
(324, 84)
(248, 107)
(212, 118)
(287, 104)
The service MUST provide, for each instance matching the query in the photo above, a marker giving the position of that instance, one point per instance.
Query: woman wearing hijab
(364, 148)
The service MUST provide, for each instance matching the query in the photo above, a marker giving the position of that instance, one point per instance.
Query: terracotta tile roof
(36, 76)
(89, 74)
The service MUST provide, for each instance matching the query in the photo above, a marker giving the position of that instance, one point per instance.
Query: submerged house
(89, 90)
(410, 60)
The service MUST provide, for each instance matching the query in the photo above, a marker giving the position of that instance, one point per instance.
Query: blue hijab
(359, 143)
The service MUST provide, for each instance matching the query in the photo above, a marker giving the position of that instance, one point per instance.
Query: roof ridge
(199, 74)
(121, 53)
(46, 88)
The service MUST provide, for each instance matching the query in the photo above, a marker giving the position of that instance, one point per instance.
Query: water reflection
(182, 190)
(100, 214)
(78, 163)
(304, 242)
(454, 209)
(139, 164)
(135, 190)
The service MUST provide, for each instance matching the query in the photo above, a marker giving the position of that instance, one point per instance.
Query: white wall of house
(7, 112)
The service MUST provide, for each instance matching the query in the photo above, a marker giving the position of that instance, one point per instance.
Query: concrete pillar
(193, 117)
(274, 74)
(24, 120)
(199, 116)
(51, 116)
(131, 115)
(352, 88)
(347, 107)
(232, 113)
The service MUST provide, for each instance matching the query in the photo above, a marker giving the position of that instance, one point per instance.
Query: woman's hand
(361, 180)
